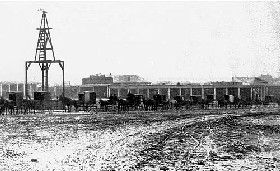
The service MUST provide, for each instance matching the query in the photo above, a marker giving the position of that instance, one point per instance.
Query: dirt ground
(140, 141)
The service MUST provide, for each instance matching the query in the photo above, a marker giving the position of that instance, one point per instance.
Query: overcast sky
(178, 41)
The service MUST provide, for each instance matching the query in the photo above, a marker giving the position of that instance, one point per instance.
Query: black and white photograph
(140, 85)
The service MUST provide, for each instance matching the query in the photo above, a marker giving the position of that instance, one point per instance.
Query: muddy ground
(140, 141)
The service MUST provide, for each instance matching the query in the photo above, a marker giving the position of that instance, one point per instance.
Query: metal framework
(44, 45)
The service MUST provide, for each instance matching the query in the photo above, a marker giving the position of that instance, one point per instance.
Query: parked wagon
(86, 101)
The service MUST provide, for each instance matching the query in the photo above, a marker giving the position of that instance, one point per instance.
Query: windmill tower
(44, 48)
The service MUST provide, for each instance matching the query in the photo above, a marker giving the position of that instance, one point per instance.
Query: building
(226, 83)
(249, 80)
(247, 89)
(241, 87)
(6, 87)
(69, 91)
(268, 78)
(128, 78)
(101, 84)
(97, 79)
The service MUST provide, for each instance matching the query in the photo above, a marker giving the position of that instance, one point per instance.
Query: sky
(159, 41)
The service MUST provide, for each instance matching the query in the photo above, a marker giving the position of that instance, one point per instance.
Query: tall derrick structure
(44, 45)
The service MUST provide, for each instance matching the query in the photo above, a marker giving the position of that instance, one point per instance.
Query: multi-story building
(97, 79)
(249, 80)
(128, 78)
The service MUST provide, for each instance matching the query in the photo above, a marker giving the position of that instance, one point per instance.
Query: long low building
(259, 91)
(216, 90)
